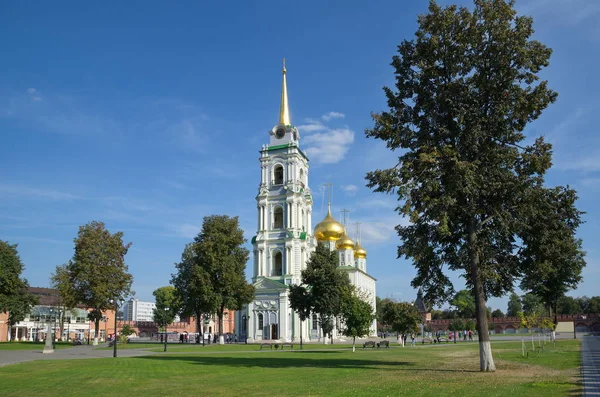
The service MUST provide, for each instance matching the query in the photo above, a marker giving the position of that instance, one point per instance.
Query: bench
(282, 345)
(269, 345)
(369, 343)
(383, 343)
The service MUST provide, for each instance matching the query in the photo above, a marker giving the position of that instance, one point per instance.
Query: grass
(31, 345)
(447, 370)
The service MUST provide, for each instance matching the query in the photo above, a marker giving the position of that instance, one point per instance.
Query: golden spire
(284, 110)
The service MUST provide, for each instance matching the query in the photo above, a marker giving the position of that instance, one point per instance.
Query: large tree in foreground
(214, 266)
(466, 87)
(14, 298)
(97, 273)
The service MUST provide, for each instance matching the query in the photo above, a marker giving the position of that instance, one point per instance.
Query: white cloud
(589, 163)
(350, 190)
(381, 230)
(311, 127)
(188, 231)
(31, 90)
(25, 191)
(555, 12)
(330, 146)
(333, 115)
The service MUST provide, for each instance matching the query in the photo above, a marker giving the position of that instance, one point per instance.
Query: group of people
(462, 334)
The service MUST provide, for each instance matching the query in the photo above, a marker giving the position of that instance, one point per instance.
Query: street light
(165, 325)
(116, 303)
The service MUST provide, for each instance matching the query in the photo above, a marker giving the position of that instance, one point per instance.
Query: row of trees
(465, 89)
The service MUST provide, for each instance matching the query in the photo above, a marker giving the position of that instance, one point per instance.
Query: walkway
(590, 369)
(8, 357)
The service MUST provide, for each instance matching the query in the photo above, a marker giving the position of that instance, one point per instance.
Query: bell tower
(284, 203)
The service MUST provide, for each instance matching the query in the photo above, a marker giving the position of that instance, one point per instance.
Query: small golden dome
(359, 251)
(329, 229)
(345, 243)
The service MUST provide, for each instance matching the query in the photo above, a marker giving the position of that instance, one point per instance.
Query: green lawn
(430, 370)
(31, 345)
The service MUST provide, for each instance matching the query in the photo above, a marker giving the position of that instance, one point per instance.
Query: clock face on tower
(280, 132)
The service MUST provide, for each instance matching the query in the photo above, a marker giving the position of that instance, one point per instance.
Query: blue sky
(149, 116)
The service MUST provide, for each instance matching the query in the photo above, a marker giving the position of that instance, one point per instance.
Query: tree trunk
(198, 327)
(221, 337)
(96, 330)
(301, 347)
(486, 361)
(353, 344)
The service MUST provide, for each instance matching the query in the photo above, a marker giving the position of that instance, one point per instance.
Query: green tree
(97, 273)
(14, 296)
(379, 304)
(497, 313)
(514, 305)
(589, 305)
(190, 285)
(125, 332)
(567, 305)
(466, 87)
(401, 317)
(167, 305)
(326, 287)
(357, 316)
(464, 302)
(533, 305)
(66, 302)
(215, 269)
(552, 255)
(300, 302)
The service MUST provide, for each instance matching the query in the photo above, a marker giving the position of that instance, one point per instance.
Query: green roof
(253, 240)
(303, 236)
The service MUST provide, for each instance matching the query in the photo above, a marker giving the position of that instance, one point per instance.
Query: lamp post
(116, 303)
(165, 325)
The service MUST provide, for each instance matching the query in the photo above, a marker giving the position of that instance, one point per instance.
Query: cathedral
(285, 240)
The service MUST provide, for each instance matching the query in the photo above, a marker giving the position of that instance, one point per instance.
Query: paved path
(590, 352)
(8, 357)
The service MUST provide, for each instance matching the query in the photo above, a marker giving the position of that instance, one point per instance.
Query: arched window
(277, 264)
(302, 221)
(301, 176)
(278, 218)
(278, 175)
(260, 321)
(315, 322)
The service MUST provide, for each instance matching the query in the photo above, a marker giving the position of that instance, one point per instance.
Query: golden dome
(345, 243)
(359, 251)
(329, 229)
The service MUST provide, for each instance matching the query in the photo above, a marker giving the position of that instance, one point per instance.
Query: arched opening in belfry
(278, 175)
(277, 264)
(302, 177)
(278, 218)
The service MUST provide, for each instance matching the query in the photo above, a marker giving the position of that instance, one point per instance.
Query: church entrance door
(274, 331)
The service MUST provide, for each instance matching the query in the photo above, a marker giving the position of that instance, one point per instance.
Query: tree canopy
(464, 302)
(401, 317)
(14, 297)
(167, 305)
(466, 87)
(325, 287)
(97, 273)
(357, 316)
(552, 255)
(514, 305)
(211, 276)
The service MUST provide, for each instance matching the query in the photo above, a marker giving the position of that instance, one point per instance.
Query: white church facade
(285, 240)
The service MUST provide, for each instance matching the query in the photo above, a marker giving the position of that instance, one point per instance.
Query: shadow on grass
(299, 362)
(283, 362)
